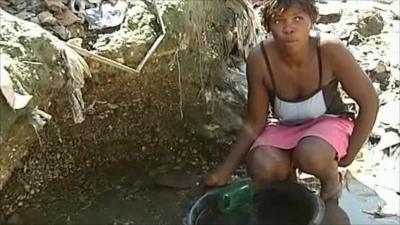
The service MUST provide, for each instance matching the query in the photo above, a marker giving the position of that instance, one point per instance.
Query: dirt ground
(134, 120)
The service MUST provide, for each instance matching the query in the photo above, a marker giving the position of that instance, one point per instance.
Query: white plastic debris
(107, 15)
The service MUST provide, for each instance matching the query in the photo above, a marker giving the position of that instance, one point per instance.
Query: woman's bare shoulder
(256, 54)
(330, 44)
(340, 58)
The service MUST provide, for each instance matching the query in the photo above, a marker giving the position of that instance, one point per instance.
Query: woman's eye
(297, 18)
(277, 21)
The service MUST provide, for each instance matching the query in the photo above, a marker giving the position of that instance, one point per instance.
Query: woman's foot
(331, 188)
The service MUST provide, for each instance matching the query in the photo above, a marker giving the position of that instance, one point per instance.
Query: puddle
(124, 193)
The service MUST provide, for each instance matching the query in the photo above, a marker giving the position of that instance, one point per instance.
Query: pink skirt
(334, 130)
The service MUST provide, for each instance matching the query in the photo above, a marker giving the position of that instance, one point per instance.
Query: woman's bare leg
(315, 156)
(266, 164)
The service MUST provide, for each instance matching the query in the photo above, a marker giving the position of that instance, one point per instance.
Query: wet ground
(126, 193)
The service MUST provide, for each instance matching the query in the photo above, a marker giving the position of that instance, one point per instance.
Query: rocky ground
(371, 31)
(141, 122)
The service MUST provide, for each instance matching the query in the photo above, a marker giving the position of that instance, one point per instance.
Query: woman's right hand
(215, 179)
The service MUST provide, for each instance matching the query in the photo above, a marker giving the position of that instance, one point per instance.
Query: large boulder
(35, 68)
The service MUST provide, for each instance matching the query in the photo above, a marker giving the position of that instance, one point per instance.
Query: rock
(380, 74)
(355, 38)
(25, 15)
(130, 42)
(35, 20)
(370, 23)
(47, 18)
(59, 72)
(329, 13)
(4, 3)
(67, 17)
(61, 32)
(178, 179)
(56, 6)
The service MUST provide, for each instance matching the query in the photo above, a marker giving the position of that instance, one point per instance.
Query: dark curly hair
(272, 7)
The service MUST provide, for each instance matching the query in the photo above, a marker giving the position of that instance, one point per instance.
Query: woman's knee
(314, 156)
(266, 164)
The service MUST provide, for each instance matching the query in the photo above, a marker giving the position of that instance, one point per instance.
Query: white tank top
(298, 112)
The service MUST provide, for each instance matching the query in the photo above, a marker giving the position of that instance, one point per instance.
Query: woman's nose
(288, 29)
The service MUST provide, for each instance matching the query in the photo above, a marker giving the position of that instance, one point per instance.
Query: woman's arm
(358, 86)
(253, 124)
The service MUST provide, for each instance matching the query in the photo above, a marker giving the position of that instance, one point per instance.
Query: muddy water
(125, 193)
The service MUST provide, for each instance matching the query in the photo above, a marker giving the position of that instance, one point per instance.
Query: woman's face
(291, 27)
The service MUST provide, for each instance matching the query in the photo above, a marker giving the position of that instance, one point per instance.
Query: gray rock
(42, 76)
(380, 74)
(370, 23)
(129, 44)
(355, 38)
(47, 18)
(61, 32)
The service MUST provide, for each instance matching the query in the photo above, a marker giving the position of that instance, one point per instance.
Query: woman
(298, 76)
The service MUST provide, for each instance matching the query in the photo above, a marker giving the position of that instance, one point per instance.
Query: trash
(39, 119)
(107, 15)
(78, 7)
